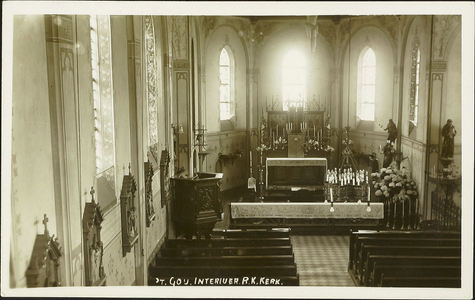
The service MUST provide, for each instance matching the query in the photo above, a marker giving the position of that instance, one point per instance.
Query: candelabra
(348, 159)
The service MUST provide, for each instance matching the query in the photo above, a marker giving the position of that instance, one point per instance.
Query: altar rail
(295, 215)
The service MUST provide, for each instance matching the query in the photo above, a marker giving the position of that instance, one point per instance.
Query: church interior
(151, 150)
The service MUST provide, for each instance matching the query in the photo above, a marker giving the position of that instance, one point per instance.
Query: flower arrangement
(262, 148)
(393, 184)
(280, 143)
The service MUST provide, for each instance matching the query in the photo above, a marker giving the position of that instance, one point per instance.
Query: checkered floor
(322, 260)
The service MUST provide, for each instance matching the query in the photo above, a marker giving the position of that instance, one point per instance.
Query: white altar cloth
(302, 210)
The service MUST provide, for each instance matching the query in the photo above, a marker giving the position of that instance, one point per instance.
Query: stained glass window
(367, 86)
(415, 77)
(226, 78)
(294, 80)
(103, 108)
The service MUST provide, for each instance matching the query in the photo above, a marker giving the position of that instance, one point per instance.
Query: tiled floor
(322, 260)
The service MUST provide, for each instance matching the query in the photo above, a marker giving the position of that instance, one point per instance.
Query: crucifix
(45, 222)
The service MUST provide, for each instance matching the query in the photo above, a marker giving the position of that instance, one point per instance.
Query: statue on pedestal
(392, 131)
(448, 132)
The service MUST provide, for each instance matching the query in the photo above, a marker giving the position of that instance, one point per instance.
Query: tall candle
(331, 194)
(369, 195)
(314, 130)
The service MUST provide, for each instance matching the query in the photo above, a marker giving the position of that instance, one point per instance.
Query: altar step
(231, 257)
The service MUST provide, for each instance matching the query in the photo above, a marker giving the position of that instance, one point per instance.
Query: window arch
(294, 80)
(366, 85)
(226, 85)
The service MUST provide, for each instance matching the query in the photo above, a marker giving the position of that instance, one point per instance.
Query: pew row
(233, 257)
(383, 258)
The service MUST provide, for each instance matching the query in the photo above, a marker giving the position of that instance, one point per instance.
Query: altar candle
(277, 127)
(331, 194)
(369, 195)
(314, 130)
(433, 171)
(353, 181)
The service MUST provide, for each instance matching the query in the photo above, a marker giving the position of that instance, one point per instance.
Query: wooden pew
(406, 270)
(434, 282)
(354, 236)
(263, 260)
(389, 260)
(229, 242)
(396, 242)
(227, 251)
(255, 233)
(236, 257)
(403, 250)
(223, 271)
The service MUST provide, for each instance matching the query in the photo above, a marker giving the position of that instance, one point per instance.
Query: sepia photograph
(237, 149)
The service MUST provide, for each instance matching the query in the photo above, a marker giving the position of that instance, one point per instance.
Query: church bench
(388, 260)
(241, 281)
(238, 233)
(395, 234)
(223, 271)
(408, 270)
(226, 260)
(403, 250)
(386, 241)
(229, 242)
(227, 251)
(434, 282)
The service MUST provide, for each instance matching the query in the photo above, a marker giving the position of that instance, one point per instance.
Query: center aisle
(322, 260)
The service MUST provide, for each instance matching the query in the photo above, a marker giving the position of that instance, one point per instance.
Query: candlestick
(369, 195)
(331, 194)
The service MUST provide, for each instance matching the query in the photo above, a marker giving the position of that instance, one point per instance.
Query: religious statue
(131, 222)
(448, 132)
(388, 151)
(392, 131)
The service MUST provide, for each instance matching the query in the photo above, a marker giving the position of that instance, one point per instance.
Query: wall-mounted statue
(448, 132)
(392, 131)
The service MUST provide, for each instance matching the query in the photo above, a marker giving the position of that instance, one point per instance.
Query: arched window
(366, 85)
(226, 87)
(415, 77)
(294, 80)
(103, 109)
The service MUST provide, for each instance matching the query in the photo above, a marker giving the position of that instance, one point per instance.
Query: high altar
(296, 186)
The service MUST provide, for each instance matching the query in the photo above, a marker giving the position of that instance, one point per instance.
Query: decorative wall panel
(152, 88)
(179, 27)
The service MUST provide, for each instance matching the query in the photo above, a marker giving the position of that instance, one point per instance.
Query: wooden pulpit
(196, 205)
